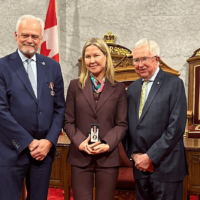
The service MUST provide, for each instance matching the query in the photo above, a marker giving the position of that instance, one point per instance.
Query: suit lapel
(107, 91)
(154, 89)
(40, 73)
(88, 93)
(18, 67)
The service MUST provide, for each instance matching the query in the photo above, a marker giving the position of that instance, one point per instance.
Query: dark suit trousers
(37, 181)
(150, 189)
(83, 181)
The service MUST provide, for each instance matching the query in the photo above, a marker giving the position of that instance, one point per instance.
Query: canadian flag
(49, 45)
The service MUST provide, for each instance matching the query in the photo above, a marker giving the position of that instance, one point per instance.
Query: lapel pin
(52, 93)
(43, 63)
(51, 86)
(158, 83)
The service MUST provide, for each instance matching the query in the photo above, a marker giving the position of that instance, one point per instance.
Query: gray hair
(153, 46)
(29, 17)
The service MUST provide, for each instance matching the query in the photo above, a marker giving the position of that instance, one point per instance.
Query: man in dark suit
(31, 114)
(157, 118)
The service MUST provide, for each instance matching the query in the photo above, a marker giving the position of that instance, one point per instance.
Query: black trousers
(150, 189)
(83, 181)
(37, 181)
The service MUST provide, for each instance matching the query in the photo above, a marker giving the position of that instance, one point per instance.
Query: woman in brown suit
(95, 98)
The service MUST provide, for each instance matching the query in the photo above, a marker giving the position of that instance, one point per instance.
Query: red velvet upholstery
(194, 135)
(194, 131)
(125, 179)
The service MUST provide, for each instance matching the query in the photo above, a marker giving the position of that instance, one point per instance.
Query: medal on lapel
(51, 85)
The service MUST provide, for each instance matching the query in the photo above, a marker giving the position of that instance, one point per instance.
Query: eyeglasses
(143, 59)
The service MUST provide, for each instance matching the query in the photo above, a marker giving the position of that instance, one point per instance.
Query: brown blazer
(110, 113)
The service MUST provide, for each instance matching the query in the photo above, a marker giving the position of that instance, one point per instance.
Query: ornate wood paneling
(192, 181)
(61, 170)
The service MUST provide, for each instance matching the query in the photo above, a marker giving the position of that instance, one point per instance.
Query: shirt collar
(24, 58)
(154, 76)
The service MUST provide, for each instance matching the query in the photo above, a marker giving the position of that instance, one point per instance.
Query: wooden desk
(61, 170)
(192, 181)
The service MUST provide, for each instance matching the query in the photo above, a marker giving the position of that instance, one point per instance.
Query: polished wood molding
(192, 144)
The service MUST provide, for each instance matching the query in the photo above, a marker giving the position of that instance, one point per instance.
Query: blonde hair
(109, 69)
(153, 46)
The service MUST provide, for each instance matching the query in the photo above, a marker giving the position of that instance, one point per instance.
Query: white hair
(153, 46)
(29, 17)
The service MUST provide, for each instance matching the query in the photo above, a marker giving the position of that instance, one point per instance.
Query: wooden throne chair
(193, 114)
